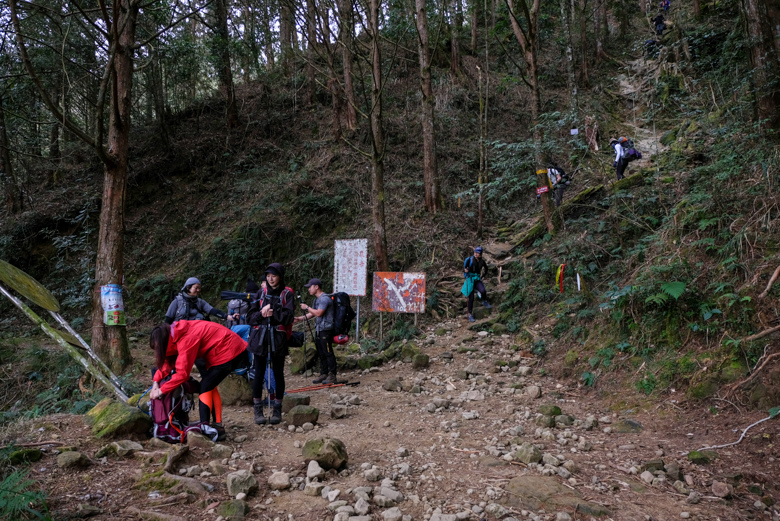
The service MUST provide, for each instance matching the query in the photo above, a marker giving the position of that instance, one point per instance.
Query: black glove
(614, 164)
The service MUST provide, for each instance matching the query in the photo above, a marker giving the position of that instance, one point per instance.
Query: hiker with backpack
(238, 308)
(660, 24)
(559, 181)
(188, 305)
(474, 268)
(624, 154)
(177, 345)
(322, 311)
(271, 316)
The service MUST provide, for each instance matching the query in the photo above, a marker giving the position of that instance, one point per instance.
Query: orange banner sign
(398, 292)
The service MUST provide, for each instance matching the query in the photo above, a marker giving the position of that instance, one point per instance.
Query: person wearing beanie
(323, 312)
(188, 305)
(474, 269)
(271, 316)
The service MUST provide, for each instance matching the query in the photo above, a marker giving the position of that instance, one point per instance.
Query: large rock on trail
(330, 453)
(292, 400)
(241, 481)
(533, 492)
(235, 390)
(110, 418)
(301, 414)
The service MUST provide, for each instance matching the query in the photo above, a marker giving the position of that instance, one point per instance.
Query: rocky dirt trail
(482, 432)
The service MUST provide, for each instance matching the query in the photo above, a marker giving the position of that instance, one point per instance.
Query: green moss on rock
(111, 418)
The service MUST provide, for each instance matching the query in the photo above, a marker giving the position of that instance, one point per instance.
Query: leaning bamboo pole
(73, 351)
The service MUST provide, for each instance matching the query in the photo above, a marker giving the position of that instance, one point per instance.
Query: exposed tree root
(771, 281)
(755, 372)
(740, 438)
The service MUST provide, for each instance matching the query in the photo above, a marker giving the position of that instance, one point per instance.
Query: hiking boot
(259, 418)
(331, 379)
(486, 304)
(221, 434)
(321, 378)
(276, 415)
(471, 318)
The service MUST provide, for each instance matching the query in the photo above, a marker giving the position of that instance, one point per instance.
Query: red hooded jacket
(191, 339)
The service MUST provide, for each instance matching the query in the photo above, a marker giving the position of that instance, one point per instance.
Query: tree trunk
(110, 342)
(456, 27)
(311, 37)
(583, 19)
(696, 8)
(597, 32)
(286, 29)
(268, 37)
(378, 143)
(430, 169)
(8, 181)
(346, 28)
(570, 78)
(763, 60)
(542, 181)
(527, 38)
(221, 52)
(474, 22)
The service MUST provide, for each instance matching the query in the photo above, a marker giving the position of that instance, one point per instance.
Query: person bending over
(177, 345)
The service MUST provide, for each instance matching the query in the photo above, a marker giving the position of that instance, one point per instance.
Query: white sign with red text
(349, 267)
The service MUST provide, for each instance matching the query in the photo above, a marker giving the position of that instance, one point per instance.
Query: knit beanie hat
(190, 282)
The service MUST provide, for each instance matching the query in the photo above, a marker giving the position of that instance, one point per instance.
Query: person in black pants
(271, 317)
(475, 268)
(323, 312)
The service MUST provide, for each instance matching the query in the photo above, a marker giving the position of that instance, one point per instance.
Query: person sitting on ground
(188, 305)
(177, 345)
(271, 315)
(323, 312)
(238, 308)
(474, 268)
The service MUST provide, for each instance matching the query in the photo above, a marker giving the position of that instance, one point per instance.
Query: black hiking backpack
(343, 314)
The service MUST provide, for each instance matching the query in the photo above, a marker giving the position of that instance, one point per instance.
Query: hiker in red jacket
(176, 347)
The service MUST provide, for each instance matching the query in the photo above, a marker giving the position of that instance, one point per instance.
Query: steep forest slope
(672, 260)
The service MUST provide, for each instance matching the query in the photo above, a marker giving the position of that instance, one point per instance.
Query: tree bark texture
(583, 23)
(346, 28)
(430, 168)
(311, 37)
(286, 29)
(268, 37)
(378, 143)
(570, 77)
(8, 181)
(110, 342)
(222, 54)
(763, 59)
(456, 27)
(527, 38)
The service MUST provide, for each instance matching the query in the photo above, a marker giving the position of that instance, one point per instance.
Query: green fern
(659, 299)
(674, 289)
(17, 497)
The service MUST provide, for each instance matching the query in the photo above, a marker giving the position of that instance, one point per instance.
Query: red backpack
(171, 414)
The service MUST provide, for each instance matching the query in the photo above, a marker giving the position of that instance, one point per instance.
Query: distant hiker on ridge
(323, 312)
(474, 268)
(660, 24)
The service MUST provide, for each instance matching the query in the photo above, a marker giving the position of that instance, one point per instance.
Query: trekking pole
(318, 387)
(304, 336)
